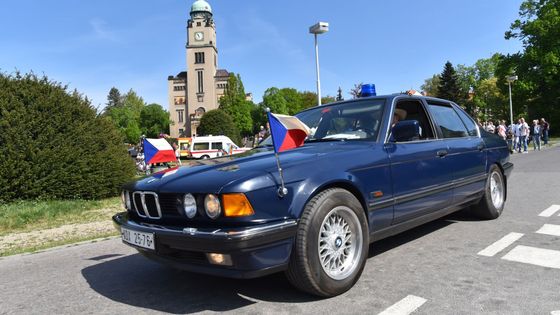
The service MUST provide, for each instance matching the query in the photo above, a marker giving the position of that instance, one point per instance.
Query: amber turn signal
(236, 205)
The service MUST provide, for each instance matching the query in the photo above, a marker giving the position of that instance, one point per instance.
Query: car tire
(204, 157)
(331, 245)
(492, 203)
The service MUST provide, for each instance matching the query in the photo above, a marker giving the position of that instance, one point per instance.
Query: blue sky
(135, 44)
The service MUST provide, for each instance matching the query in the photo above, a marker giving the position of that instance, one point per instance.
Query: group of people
(519, 135)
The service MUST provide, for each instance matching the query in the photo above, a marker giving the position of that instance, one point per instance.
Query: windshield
(357, 120)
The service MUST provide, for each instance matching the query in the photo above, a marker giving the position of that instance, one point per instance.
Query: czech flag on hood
(158, 151)
(287, 132)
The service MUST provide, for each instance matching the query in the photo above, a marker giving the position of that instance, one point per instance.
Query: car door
(466, 150)
(421, 173)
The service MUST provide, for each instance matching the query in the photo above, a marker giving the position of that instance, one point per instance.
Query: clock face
(198, 36)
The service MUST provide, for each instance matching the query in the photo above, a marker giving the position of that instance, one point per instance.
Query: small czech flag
(158, 151)
(287, 132)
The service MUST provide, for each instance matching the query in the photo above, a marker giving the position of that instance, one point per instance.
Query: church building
(197, 90)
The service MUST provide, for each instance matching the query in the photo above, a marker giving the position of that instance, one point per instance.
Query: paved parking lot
(456, 265)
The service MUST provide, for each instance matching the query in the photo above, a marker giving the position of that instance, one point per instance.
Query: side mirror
(408, 130)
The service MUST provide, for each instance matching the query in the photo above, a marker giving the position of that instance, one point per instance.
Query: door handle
(442, 153)
(480, 147)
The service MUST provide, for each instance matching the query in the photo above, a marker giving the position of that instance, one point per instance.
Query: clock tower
(202, 61)
(194, 92)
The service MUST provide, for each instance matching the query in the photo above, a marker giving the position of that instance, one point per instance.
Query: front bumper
(255, 251)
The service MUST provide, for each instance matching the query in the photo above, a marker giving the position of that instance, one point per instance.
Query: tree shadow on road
(136, 281)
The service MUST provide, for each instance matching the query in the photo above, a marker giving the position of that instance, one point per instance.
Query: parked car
(367, 171)
(213, 146)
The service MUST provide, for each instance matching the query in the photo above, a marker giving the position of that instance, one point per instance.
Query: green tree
(154, 120)
(218, 122)
(430, 85)
(126, 117)
(294, 100)
(275, 101)
(448, 87)
(538, 66)
(309, 99)
(234, 103)
(54, 145)
(114, 99)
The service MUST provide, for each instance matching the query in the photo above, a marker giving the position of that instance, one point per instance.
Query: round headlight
(212, 206)
(189, 206)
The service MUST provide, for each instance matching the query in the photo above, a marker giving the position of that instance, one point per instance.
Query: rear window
(216, 145)
(447, 119)
(201, 146)
(471, 126)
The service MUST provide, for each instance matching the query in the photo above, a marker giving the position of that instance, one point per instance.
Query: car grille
(155, 206)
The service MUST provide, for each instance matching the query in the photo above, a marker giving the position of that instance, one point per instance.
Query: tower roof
(201, 6)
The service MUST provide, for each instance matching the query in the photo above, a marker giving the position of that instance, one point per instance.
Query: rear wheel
(492, 203)
(331, 244)
(204, 157)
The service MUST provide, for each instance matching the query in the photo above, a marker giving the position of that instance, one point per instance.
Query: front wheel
(492, 203)
(331, 244)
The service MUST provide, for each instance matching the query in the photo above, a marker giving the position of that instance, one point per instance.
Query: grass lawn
(25, 216)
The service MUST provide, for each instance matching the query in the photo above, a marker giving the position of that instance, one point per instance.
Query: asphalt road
(436, 269)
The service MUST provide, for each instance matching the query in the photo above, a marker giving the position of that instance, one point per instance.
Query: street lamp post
(319, 28)
(510, 79)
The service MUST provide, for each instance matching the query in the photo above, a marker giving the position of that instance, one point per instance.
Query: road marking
(534, 256)
(550, 211)
(500, 244)
(549, 229)
(405, 306)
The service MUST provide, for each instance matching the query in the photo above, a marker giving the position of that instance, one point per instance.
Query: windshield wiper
(326, 140)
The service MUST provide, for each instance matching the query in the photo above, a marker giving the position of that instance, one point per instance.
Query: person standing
(515, 132)
(536, 129)
(502, 129)
(523, 133)
(545, 126)
(490, 127)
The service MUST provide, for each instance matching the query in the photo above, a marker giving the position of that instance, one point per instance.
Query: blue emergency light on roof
(368, 90)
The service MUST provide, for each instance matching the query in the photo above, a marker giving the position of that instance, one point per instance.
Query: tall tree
(538, 66)
(234, 103)
(339, 95)
(448, 87)
(218, 122)
(294, 100)
(114, 99)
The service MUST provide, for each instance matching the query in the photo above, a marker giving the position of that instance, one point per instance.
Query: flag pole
(282, 191)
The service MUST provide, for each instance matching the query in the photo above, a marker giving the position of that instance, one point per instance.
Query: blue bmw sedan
(370, 168)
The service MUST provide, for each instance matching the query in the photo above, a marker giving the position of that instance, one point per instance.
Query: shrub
(53, 145)
(217, 122)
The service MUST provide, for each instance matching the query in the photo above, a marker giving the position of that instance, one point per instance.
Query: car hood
(253, 169)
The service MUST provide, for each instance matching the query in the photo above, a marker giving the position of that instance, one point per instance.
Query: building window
(199, 57)
(200, 81)
(198, 24)
(180, 116)
(181, 132)
(179, 88)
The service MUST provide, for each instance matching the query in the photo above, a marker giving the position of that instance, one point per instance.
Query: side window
(471, 126)
(216, 145)
(201, 146)
(413, 110)
(447, 119)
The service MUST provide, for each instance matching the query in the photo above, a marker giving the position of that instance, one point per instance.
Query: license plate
(140, 239)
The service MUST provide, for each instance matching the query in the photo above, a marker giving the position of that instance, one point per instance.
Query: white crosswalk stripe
(534, 256)
(549, 229)
(550, 211)
(405, 306)
(500, 244)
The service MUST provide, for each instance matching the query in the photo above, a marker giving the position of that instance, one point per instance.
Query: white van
(213, 146)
